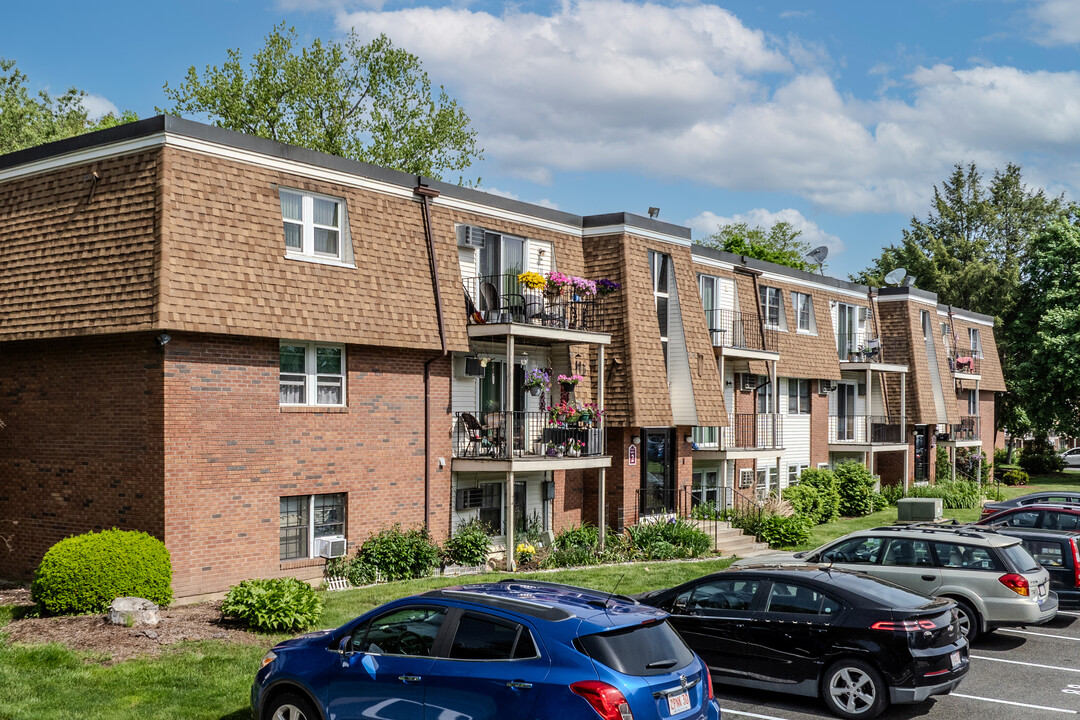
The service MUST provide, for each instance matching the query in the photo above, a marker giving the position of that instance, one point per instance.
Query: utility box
(918, 509)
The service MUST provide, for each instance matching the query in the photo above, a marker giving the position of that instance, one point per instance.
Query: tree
(1045, 335)
(27, 120)
(370, 102)
(778, 244)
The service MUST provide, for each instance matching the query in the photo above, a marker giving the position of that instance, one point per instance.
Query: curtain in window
(293, 523)
(293, 379)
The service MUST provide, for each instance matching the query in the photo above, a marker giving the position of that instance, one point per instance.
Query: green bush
(651, 539)
(805, 500)
(706, 511)
(891, 494)
(279, 604)
(778, 531)
(942, 466)
(1015, 476)
(1001, 456)
(827, 486)
(576, 536)
(571, 556)
(954, 495)
(85, 573)
(879, 501)
(1040, 458)
(469, 544)
(855, 486)
(398, 554)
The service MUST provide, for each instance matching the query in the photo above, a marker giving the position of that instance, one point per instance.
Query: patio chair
(478, 436)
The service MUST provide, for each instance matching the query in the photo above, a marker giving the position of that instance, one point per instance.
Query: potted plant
(532, 280)
(568, 382)
(537, 381)
(554, 283)
(606, 287)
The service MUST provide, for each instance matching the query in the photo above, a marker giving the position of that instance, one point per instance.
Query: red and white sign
(632, 455)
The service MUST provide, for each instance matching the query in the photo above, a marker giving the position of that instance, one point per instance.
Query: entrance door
(845, 412)
(658, 472)
(922, 452)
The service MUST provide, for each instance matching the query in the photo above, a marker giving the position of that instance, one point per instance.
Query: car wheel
(969, 620)
(853, 689)
(289, 706)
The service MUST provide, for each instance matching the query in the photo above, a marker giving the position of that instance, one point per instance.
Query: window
(1026, 519)
(865, 550)
(312, 374)
(717, 597)
(793, 473)
(770, 306)
(764, 394)
(976, 344)
(297, 531)
(491, 506)
(908, 553)
(746, 478)
(481, 637)
(798, 396)
(973, 403)
(802, 304)
(789, 598)
(660, 267)
(313, 225)
(406, 631)
(945, 333)
(1046, 552)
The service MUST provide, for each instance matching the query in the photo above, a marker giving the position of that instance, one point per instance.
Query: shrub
(575, 536)
(1040, 458)
(954, 495)
(1015, 476)
(776, 530)
(571, 556)
(399, 554)
(854, 486)
(706, 511)
(1001, 456)
(651, 539)
(806, 501)
(279, 604)
(942, 466)
(85, 573)
(890, 494)
(469, 545)
(879, 501)
(826, 484)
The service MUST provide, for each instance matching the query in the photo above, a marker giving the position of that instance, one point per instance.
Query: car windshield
(1020, 558)
(652, 649)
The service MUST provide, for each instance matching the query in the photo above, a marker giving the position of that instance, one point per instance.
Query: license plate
(678, 703)
(955, 659)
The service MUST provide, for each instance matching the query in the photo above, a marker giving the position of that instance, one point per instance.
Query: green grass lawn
(210, 680)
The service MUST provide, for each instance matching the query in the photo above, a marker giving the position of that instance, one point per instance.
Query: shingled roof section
(704, 375)
(901, 331)
(803, 355)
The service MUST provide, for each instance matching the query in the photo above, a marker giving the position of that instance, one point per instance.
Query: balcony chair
(480, 438)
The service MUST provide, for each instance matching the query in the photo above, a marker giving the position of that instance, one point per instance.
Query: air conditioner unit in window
(469, 498)
(826, 386)
(747, 382)
(473, 368)
(471, 236)
(331, 546)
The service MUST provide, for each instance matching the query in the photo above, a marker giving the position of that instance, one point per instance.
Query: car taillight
(606, 700)
(1076, 562)
(1017, 583)
(903, 625)
(708, 677)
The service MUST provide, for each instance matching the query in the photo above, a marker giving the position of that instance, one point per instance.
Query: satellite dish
(896, 276)
(818, 254)
(909, 281)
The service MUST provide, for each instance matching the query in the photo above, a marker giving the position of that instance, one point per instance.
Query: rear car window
(791, 598)
(1020, 558)
(1047, 553)
(883, 591)
(480, 637)
(642, 650)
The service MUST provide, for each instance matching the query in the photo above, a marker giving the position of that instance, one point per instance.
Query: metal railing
(966, 429)
(864, 429)
(745, 431)
(859, 347)
(500, 299)
(729, 328)
(487, 436)
(964, 360)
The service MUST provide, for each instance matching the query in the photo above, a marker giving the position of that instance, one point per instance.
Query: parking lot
(1029, 672)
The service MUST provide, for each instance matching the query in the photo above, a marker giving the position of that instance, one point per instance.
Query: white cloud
(707, 222)
(1057, 22)
(690, 92)
(543, 202)
(98, 106)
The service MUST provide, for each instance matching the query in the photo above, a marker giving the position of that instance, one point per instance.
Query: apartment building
(254, 351)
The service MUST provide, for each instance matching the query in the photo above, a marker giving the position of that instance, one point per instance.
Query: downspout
(426, 194)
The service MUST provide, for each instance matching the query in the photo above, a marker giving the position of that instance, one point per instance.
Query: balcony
(861, 347)
(740, 331)
(866, 430)
(501, 440)
(965, 362)
(501, 300)
(966, 432)
(745, 433)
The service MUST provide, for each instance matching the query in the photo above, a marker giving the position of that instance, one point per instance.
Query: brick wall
(82, 446)
(819, 426)
(231, 452)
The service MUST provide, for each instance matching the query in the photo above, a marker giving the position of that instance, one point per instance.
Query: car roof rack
(968, 530)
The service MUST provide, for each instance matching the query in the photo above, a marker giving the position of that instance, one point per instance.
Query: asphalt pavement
(1016, 673)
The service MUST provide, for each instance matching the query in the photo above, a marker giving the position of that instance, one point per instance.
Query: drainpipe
(426, 194)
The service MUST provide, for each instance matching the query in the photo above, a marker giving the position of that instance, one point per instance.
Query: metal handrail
(535, 435)
(501, 299)
(859, 347)
(745, 431)
(729, 328)
(855, 429)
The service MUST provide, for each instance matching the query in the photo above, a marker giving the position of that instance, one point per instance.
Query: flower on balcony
(537, 378)
(532, 280)
(570, 380)
(606, 287)
(583, 287)
(555, 282)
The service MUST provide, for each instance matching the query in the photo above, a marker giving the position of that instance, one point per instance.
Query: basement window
(297, 531)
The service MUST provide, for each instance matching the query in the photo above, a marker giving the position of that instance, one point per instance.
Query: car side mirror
(800, 554)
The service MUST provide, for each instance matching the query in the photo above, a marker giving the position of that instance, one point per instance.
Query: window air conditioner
(826, 386)
(747, 382)
(471, 236)
(473, 368)
(331, 546)
(469, 498)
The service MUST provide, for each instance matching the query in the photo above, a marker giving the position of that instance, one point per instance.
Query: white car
(1071, 457)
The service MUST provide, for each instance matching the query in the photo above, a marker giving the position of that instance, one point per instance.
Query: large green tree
(28, 119)
(779, 243)
(1045, 334)
(367, 101)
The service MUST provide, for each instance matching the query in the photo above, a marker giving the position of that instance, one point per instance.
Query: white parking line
(1008, 702)
(1017, 662)
(727, 711)
(1067, 612)
(1028, 632)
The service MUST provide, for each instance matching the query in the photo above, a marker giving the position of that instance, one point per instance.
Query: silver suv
(992, 578)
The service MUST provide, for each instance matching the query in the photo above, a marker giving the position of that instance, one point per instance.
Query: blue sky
(837, 116)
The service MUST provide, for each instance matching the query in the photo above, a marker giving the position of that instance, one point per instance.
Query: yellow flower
(531, 280)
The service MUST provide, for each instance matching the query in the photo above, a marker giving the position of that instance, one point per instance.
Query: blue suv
(496, 651)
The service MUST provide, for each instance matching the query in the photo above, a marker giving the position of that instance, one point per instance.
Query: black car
(1045, 496)
(857, 642)
(1059, 552)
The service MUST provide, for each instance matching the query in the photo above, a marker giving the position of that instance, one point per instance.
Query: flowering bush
(536, 377)
(525, 552)
(570, 380)
(532, 280)
(606, 287)
(564, 412)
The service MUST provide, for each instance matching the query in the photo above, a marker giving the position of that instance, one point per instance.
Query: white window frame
(307, 226)
(746, 478)
(794, 471)
(312, 379)
(973, 403)
(975, 342)
(768, 294)
(799, 302)
(796, 384)
(312, 536)
(656, 263)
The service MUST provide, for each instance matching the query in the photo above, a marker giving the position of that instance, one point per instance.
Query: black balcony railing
(500, 299)
(729, 328)
(745, 431)
(965, 361)
(862, 429)
(966, 429)
(488, 436)
(859, 347)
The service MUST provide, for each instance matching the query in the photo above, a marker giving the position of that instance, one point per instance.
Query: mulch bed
(115, 643)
